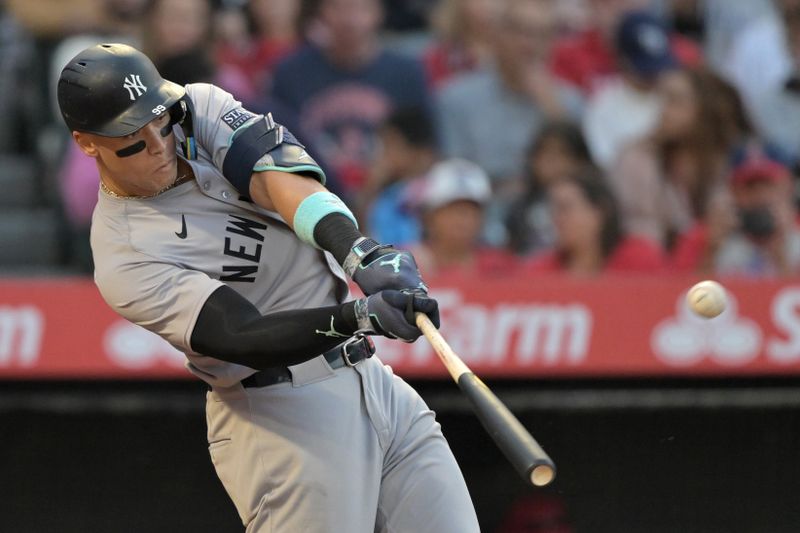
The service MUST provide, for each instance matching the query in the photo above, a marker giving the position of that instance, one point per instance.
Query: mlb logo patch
(236, 118)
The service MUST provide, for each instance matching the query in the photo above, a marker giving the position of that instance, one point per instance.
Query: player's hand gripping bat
(524, 453)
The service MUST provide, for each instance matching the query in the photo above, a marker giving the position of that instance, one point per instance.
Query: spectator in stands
(408, 151)
(465, 30)
(451, 203)
(249, 44)
(489, 116)
(587, 60)
(757, 57)
(343, 85)
(765, 65)
(558, 151)
(665, 181)
(176, 38)
(726, 23)
(754, 234)
(590, 238)
(627, 106)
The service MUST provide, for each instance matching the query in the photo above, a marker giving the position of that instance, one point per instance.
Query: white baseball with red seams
(707, 299)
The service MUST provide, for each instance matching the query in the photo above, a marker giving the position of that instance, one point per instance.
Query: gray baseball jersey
(158, 259)
(355, 449)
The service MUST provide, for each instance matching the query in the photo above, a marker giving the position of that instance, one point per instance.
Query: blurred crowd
(490, 137)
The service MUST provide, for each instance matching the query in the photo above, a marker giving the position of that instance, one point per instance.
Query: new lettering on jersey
(249, 229)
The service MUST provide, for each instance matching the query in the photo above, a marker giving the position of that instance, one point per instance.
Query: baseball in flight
(707, 299)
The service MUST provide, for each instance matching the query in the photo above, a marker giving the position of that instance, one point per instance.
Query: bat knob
(542, 475)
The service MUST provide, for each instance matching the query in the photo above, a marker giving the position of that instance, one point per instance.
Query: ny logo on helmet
(134, 83)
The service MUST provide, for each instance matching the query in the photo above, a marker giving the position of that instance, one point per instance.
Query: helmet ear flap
(177, 113)
(181, 113)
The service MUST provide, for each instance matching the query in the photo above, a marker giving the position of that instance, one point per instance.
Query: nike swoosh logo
(182, 234)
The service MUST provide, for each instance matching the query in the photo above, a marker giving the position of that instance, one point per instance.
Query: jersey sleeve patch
(236, 118)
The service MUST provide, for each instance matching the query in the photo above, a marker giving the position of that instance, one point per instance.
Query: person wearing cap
(488, 116)
(753, 231)
(627, 106)
(213, 229)
(451, 202)
(588, 59)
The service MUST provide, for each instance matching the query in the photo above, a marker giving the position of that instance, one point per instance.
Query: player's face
(139, 164)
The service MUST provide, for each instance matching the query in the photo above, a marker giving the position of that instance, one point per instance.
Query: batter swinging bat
(524, 453)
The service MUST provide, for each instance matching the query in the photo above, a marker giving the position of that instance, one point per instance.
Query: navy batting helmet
(113, 90)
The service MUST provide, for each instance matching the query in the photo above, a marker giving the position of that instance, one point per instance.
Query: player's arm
(285, 179)
(230, 328)
(268, 165)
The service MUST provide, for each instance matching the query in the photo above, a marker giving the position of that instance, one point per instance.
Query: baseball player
(214, 230)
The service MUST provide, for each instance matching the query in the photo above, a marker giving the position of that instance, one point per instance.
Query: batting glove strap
(362, 248)
(361, 309)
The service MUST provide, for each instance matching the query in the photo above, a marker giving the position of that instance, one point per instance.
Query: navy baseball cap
(643, 41)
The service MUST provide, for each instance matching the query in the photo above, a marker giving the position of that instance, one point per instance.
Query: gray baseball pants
(351, 450)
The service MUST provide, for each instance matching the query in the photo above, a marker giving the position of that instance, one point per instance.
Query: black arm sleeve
(336, 233)
(230, 328)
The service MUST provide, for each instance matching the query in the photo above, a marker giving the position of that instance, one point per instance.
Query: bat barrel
(516, 443)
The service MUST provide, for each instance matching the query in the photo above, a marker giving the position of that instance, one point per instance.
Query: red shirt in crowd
(690, 247)
(587, 59)
(485, 262)
(632, 254)
(584, 60)
(443, 61)
(254, 65)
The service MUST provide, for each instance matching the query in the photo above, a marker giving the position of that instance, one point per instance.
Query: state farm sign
(21, 329)
(731, 339)
(131, 346)
(527, 333)
(532, 327)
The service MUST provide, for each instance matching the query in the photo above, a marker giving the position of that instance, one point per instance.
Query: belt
(349, 353)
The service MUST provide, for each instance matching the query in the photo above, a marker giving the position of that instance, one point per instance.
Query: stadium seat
(18, 181)
(28, 236)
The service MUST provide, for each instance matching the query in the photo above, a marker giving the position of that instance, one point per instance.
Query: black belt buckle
(353, 343)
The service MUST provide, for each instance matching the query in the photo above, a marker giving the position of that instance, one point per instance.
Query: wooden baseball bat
(519, 447)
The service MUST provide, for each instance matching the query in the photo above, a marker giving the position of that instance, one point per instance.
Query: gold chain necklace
(178, 180)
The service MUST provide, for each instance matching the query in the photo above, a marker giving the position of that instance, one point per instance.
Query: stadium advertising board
(543, 327)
